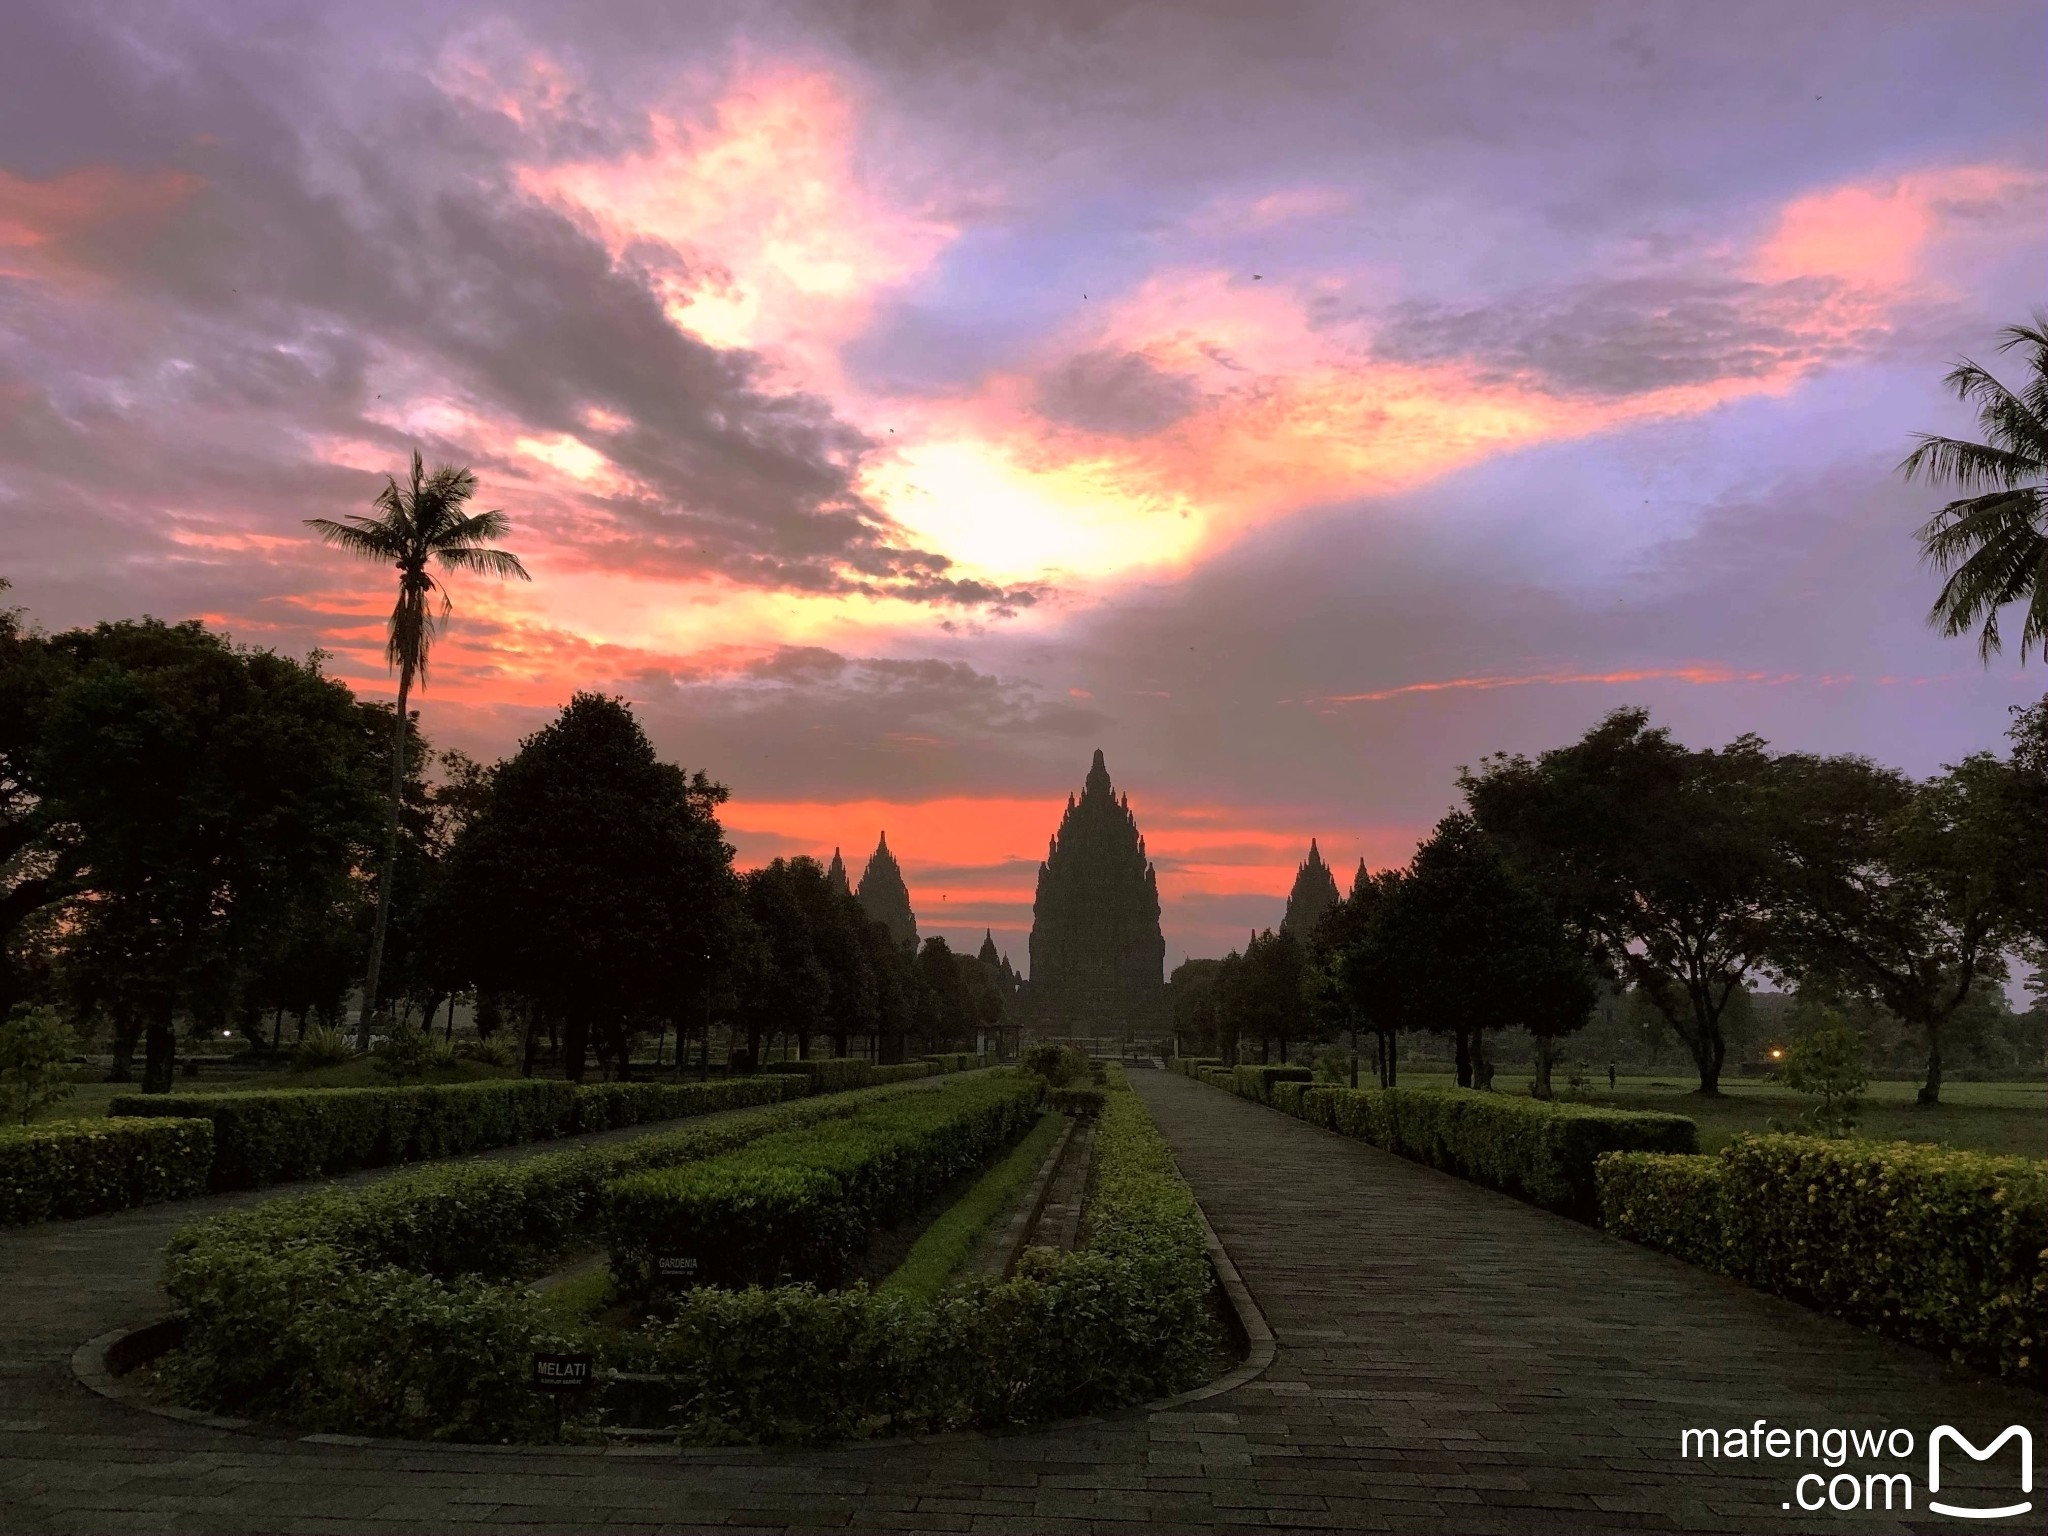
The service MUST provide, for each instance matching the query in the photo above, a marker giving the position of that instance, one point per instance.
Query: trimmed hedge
(1543, 1152)
(803, 1205)
(1122, 1319)
(273, 1136)
(1256, 1082)
(837, 1074)
(1939, 1248)
(66, 1168)
(368, 1312)
(1191, 1066)
(396, 1309)
(958, 1061)
(613, 1106)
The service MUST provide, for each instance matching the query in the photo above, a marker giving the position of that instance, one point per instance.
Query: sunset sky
(897, 401)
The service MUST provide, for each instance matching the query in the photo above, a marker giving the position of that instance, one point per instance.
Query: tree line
(1627, 860)
(197, 832)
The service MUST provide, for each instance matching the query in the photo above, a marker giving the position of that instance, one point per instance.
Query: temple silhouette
(1314, 893)
(883, 894)
(1097, 955)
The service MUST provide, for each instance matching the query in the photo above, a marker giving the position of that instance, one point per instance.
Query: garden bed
(400, 1310)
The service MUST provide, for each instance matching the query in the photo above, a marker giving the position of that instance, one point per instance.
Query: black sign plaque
(561, 1373)
(677, 1268)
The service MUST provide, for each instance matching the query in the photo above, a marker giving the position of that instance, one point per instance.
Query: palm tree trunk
(383, 917)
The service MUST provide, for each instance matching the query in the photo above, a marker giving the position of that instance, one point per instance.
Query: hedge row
(387, 1310)
(1124, 1318)
(1939, 1248)
(69, 1168)
(803, 1206)
(837, 1074)
(1543, 1152)
(1257, 1082)
(272, 1136)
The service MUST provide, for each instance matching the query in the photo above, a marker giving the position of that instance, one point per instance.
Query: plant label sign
(676, 1268)
(561, 1373)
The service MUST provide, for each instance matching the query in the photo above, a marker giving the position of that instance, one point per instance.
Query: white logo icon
(1944, 1431)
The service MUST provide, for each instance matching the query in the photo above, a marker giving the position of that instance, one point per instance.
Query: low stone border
(101, 1365)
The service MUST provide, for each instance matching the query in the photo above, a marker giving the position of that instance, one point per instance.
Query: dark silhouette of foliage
(421, 525)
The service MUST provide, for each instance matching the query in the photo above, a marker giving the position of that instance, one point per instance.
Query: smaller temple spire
(835, 876)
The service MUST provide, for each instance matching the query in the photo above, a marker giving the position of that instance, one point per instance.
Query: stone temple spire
(1360, 880)
(1314, 893)
(885, 896)
(1097, 954)
(835, 876)
(989, 954)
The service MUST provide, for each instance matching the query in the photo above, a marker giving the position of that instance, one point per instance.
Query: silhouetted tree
(1659, 857)
(420, 525)
(594, 881)
(1906, 893)
(1993, 544)
(220, 799)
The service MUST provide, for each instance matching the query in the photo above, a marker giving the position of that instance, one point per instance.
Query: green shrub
(1663, 1200)
(836, 1074)
(1256, 1082)
(498, 1050)
(1936, 1247)
(385, 1310)
(408, 1052)
(802, 1206)
(272, 1136)
(1542, 1152)
(1059, 1065)
(957, 1061)
(1123, 1319)
(368, 1311)
(36, 1047)
(611, 1106)
(1827, 1066)
(1191, 1066)
(267, 1137)
(66, 1168)
(1076, 1101)
(1943, 1249)
(322, 1047)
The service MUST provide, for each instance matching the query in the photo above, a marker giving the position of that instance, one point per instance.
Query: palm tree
(1992, 545)
(420, 523)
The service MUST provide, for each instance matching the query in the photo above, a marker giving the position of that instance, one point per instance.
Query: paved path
(1449, 1360)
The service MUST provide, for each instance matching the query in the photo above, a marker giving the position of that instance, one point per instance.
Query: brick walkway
(1449, 1360)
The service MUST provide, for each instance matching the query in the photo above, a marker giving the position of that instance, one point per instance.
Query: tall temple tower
(1097, 954)
(1314, 893)
(885, 896)
(835, 876)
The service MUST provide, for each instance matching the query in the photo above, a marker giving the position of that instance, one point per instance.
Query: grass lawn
(91, 1097)
(1981, 1117)
(947, 1242)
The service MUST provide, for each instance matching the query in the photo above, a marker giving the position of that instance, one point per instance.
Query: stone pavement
(1448, 1360)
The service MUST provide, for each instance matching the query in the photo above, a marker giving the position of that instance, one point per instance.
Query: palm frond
(364, 536)
(423, 521)
(1966, 463)
(486, 562)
